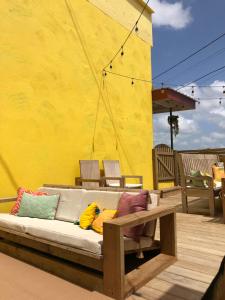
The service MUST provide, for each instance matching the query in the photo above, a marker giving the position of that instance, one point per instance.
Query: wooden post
(182, 183)
(155, 169)
(168, 242)
(171, 128)
(113, 261)
(176, 170)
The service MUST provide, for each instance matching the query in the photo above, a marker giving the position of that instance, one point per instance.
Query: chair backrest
(89, 169)
(111, 169)
(202, 162)
(194, 161)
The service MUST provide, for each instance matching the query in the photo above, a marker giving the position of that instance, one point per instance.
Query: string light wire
(163, 83)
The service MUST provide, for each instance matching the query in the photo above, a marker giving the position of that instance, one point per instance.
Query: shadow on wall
(9, 174)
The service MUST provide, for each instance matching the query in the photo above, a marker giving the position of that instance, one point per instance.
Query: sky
(179, 29)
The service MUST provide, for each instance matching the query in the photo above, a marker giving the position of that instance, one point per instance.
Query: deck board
(201, 247)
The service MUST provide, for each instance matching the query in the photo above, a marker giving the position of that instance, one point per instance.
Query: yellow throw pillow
(218, 173)
(88, 216)
(105, 215)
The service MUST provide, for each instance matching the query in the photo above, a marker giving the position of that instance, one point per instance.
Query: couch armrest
(141, 217)
(10, 199)
(116, 283)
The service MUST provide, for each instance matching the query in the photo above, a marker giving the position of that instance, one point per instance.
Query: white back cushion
(70, 203)
(104, 199)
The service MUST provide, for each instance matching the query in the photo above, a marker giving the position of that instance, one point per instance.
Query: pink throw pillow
(20, 192)
(129, 204)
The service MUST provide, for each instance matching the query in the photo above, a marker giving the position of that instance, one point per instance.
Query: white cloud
(187, 125)
(173, 15)
(200, 128)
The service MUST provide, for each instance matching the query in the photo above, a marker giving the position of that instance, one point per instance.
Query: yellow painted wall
(164, 185)
(50, 74)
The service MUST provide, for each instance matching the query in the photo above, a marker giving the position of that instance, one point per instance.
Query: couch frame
(104, 273)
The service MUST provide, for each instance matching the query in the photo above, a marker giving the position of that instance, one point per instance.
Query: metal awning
(166, 99)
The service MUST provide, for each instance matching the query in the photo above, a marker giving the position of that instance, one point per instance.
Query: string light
(111, 65)
(163, 83)
(135, 27)
(133, 79)
(220, 102)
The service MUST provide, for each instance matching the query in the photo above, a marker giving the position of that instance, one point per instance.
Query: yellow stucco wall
(164, 185)
(50, 74)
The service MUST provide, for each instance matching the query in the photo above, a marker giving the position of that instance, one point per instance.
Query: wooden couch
(204, 163)
(103, 272)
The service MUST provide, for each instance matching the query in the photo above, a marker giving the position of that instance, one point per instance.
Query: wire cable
(198, 79)
(189, 56)
(207, 58)
(128, 77)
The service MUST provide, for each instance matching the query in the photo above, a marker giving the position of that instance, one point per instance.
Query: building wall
(51, 59)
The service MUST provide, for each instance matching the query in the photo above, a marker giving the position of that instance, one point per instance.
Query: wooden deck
(201, 247)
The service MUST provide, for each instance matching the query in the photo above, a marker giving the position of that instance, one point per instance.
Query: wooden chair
(204, 163)
(113, 177)
(89, 174)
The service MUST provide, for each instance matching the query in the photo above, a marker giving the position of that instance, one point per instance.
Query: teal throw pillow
(42, 207)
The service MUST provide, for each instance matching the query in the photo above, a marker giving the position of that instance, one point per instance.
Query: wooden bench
(106, 272)
(204, 163)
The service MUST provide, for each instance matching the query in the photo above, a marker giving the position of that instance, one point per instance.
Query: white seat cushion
(14, 222)
(64, 233)
(128, 185)
(217, 184)
(70, 203)
(61, 232)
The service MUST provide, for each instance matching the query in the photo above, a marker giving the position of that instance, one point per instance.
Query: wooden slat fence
(164, 165)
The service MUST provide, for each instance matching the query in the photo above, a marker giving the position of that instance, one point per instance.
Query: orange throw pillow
(20, 192)
(105, 215)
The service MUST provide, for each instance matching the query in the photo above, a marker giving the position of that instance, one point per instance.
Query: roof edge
(148, 8)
